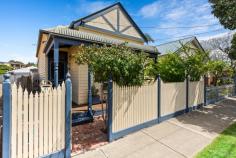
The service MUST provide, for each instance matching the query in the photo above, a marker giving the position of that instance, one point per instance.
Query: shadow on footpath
(212, 118)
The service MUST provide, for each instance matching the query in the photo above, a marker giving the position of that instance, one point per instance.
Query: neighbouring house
(27, 77)
(111, 25)
(175, 46)
(14, 64)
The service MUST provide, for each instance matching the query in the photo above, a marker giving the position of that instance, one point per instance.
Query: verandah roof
(66, 32)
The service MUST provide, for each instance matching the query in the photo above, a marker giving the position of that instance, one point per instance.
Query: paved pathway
(179, 137)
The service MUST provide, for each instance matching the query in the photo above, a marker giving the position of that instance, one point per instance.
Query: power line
(189, 35)
(156, 27)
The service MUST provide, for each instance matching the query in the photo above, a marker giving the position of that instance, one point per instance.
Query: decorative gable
(113, 19)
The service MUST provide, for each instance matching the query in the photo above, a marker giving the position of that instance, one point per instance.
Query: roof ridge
(177, 40)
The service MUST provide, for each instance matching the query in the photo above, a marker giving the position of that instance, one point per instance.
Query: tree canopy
(4, 68)
(232, 52)
(225, 11)
(219, 69)
(124, 64)
(129, 67)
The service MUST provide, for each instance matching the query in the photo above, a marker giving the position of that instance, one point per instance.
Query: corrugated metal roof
(66, 31)
(173, 46)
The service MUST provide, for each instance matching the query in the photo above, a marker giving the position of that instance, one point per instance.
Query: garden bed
(89, 136)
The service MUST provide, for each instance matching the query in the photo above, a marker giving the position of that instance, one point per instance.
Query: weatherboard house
(111, 25)
(175, 46)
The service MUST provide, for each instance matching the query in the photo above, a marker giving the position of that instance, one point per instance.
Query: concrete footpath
(180, 137)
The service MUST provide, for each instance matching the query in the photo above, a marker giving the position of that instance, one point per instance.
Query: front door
(62, 67)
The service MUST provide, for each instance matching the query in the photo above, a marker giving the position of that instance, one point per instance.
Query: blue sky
(21, 20)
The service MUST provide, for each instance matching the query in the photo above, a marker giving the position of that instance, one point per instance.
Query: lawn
(224, 146)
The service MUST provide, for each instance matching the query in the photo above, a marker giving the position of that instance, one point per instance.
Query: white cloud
(150, 10)
(176, 14)
(172, 13)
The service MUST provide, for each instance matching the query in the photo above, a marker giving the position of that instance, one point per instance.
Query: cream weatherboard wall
(42, 59)
(79, 78)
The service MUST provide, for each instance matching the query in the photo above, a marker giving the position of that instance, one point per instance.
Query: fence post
(110, 86)
(234, 85)
(158, 97)
(90, 100)
(205, 84)
(68, 117)
(6, 137)
(187, 94)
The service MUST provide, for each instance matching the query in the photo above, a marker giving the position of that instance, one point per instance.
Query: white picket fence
(38, 122)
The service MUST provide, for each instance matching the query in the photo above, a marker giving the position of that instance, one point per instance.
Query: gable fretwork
(113, 19)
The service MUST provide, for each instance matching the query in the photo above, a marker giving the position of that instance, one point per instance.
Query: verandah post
(68, 116)
(158, 97)
(6, 137)
(110, 93)
(187, 93)
(56, 62)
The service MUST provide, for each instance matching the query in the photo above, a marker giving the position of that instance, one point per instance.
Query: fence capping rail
(6, 89)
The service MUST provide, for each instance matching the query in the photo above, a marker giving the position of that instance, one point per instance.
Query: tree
(219, 69)
(225, 11)
(30, 64)
(5, 68)
(194, 60)
(219, 47)
(232, 52)
(126, 66)
(171, 68)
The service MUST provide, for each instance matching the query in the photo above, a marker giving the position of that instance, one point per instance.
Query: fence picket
(45, 123)
(50, 109)
(14, 121)
(31, 129)
(59, 118)
(41, 131)
(25, 124)
(36, 125)
(54, 124)
(19, 122)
